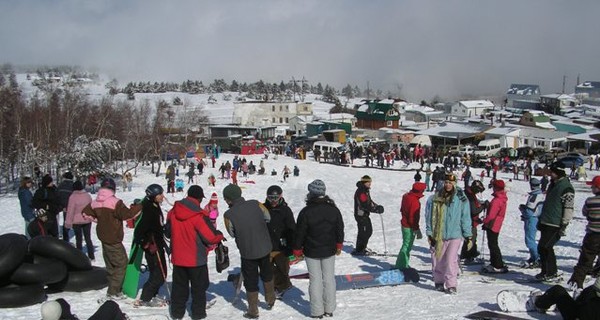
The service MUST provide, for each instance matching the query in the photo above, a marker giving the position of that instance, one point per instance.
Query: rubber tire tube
(80, 281)
(47, 273)
(14, 296)
(13, 248)
(52, 247)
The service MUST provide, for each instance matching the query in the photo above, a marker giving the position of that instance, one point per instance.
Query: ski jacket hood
(187, 208)
(496, 212)
(105, 199)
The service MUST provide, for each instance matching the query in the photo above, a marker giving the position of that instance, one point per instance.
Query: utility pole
(578, 79)
(564, 80)
(368, 91)
(303, 82)
(293, 81)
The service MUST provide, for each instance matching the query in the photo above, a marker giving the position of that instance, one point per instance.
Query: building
(556, 103)
(471, 108)
(536, 118)
(523, 96)
(268, 113)
(377, 114)
(590, 88)
(224, 131)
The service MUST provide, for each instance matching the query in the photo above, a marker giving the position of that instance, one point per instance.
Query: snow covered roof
(589, 84)
(591, 136)
(304, 118)
(541, 134)
(336, 116)
(501, 131)
(473, 104)
(419, 109)
(363, 108)
(454, 130)
(386, 101)
(524, 89)
(545, 125)
(560, 96)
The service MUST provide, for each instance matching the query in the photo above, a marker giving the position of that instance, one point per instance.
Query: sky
(426, 48)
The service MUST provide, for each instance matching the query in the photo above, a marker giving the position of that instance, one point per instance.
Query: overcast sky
(441, 47)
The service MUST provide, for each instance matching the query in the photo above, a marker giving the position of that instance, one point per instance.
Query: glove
(486, 204)
(151, 247)
(431, 241)
(379, 209)
(563, 230)
(297, 253)
(484, 227)
(418, 234)
(338, 249)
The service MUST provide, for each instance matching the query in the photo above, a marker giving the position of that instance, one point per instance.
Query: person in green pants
(411, 214)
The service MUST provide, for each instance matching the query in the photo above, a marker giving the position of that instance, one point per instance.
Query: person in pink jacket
(75, 220)
(492, 225)
(212, 211)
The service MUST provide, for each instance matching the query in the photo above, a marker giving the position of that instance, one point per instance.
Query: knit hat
(196, 192)
(214, 198)
(595, 182)
(419, 187)
(317, 188)
(108, 183)
(558, 168)
(365, 178)
(498, 184)
(46, 180)
(232, 192)
(77, 185)
(68, 175)
(51, 310)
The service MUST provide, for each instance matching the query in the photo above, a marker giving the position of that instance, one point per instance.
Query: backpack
(221, 257)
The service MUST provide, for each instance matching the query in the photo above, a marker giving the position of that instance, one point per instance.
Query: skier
(529, 215)
(363, 206)
(492, 225)
(319, 236)
(411, 214)
(591, 240)
(556, 214)
(110, 212)
(246, 221)
(46, 197)
(148, 234)
(80, 224)
(469, 249)
(190, 270)
(281, 227)
(447, 218)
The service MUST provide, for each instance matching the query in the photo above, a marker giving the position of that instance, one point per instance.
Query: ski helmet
(477, 186)
(274, 193)
(154, 190)
(108, 183)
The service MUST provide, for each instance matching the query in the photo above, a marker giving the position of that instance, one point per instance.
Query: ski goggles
(273, 197)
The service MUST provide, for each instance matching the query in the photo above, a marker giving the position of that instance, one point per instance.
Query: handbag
(221, 257)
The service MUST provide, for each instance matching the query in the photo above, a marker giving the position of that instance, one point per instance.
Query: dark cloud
(427, 47)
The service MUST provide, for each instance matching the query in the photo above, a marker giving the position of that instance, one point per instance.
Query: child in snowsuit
(211, 180)
(39, 226)
(213, 209)
(411, 214)
(179, 185)
(530, 220)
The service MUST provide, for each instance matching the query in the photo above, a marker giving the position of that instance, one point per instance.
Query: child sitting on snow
(179, 185)
(39, 226)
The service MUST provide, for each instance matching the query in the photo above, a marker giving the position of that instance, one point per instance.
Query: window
(389, 123)
(287, 108)
(287, 120)
(280, 120)
(280, 108)
(273, 118)
(273, 108)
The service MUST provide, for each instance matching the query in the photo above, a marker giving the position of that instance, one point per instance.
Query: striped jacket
(591, 210)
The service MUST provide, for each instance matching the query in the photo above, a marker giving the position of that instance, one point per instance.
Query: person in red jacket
(191, 233)
(492, 225)
(411, 214)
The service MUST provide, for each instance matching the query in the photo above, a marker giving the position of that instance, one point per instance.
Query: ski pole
(164, 274)
(383, 230)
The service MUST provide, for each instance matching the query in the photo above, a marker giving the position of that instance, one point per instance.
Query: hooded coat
(496, 212)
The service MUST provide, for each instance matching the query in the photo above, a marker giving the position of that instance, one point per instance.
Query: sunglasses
(273, 197)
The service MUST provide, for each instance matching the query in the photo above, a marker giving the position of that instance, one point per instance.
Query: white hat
(51, 310)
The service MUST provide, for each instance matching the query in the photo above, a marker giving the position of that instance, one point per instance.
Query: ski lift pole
(383, 230)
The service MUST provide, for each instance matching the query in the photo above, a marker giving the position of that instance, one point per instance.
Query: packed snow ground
(407, 301)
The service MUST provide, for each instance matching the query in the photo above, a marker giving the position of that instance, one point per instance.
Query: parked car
(454, 150)
(584, 157)
(468, 149)
(570, 160)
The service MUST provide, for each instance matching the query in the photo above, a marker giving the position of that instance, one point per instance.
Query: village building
(523, 96)
(471, 108)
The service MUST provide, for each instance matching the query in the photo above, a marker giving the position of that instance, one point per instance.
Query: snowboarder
(556, 214)
(529, 215)
(492, 224)
(410, 210)
(296, 171)
(363, 206)
(591, 240)
(448, 221)
(190, 174)
(148, 234)
(281, 227)
(319, 237)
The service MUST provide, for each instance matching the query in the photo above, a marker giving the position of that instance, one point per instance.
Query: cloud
(447, 48)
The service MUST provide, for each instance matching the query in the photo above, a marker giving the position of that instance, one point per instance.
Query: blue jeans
(530, 232)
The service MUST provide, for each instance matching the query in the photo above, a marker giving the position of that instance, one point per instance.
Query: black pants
(65, 230)
(549, 237)
(465, 253)
(157, 276)
(589, 250)
(109, 310)
(252, 268)
(84, 231)
(365, 230)
(182, 278)
(53, 226)
(586, 307)
(495, 253)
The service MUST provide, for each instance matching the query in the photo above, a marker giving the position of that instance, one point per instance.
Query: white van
(488, 148)
(328, 147)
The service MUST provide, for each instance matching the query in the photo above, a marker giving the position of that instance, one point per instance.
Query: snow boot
(252, 312)
(269, 294)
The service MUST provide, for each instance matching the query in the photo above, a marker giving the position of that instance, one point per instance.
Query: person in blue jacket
(529, 215)
(25, 199)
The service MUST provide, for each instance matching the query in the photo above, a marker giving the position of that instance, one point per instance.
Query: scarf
(440, 203)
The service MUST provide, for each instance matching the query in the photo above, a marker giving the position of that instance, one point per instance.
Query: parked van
(328, 147)
(488, 148)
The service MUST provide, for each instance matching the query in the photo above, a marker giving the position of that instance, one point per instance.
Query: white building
(263, 113)
(471, 108)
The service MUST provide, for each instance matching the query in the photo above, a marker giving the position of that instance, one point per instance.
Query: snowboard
(376, 279)
(491, 315)
(134, 265)
(517, 300)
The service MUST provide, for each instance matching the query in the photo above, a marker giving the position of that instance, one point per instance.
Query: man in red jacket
(492, 225)
(191, 233)
(411, 214)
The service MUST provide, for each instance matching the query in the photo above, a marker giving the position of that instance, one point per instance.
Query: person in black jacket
(469, 249)
(586, 306)
(319, 236)
(281, 228)
(149, 235)
(65, 189)
(363, 206)
(46, 197)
